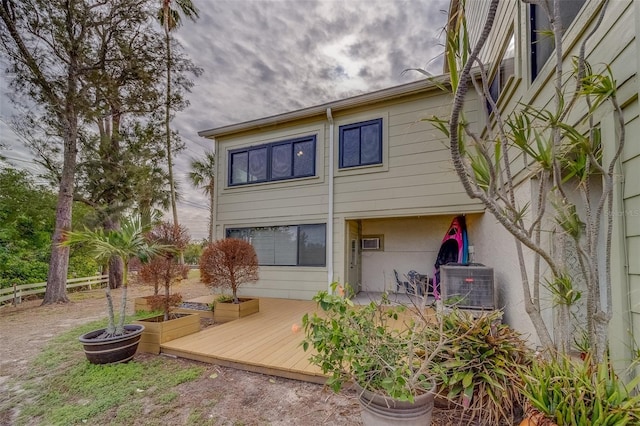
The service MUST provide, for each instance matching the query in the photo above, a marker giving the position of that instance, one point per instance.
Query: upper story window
(542, 44)
(361, 144)
(288, 159)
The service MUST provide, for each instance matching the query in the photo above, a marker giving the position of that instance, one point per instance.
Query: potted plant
(380, 348)
(478, 369)
(164, 269)
(228, 264)
(117, 342)
(562, 390)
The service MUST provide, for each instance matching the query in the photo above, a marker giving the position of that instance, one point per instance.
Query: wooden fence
(17, 292)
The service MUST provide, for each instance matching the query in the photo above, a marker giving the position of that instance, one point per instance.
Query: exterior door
(354, 264)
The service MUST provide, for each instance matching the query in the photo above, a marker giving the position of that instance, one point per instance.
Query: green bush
(577, 392)
(479, 367)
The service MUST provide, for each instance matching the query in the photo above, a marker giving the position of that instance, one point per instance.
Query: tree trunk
(56, 291)
(167, 128)
(115, 263)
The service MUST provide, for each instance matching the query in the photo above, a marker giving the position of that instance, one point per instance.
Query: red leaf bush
(228, 264)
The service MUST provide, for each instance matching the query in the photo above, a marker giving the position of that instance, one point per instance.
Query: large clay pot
(378, 410)
(111, 350)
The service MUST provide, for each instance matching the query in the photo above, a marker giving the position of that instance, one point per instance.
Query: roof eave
(343, 104)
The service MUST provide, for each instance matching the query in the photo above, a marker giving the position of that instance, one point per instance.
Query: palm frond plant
(127, 243)
(566, 391)
(479, 368)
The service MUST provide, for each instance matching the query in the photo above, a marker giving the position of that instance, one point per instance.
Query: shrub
(479, 367)
(576, 392)
(164, 269)
(157, 302)
(364, 344)
(229, 263)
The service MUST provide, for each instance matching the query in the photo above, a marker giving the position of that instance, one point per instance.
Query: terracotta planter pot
(111, 350)
(378, 410)
(228, 311)
(157, 331)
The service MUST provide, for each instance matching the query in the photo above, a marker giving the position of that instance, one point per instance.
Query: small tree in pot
(127, 243)
(164, 268)
(229, 263)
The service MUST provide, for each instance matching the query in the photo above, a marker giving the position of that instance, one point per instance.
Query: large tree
(48, 44)
(202, 176)
(571, 180)
(86, 64)
(171, 19)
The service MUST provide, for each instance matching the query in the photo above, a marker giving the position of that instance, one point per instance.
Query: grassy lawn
(64, 389)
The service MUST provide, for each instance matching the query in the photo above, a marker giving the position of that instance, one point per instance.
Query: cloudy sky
(266, 57)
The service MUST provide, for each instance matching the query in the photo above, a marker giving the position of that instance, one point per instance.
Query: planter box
(158, 331)
(208, 314)
(225, 312)
(142, 304)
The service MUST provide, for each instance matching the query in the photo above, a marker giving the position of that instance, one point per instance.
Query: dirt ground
(229, 396)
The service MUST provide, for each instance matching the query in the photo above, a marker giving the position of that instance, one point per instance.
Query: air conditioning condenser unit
(468, 286)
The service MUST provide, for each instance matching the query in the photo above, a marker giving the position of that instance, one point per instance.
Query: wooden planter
(227, 311)
(142, 304)
(158, 331)
(203, 314)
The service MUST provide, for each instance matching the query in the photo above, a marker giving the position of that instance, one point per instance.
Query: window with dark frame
(360, 144)
(289, 159)
(542, 44)
(292, 245)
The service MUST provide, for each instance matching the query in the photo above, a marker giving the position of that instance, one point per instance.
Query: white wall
(409, 243)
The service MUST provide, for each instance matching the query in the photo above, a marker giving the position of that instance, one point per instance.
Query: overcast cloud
(266, 57)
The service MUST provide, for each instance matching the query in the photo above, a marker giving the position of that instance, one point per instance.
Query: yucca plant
(127, 243)
(581, 393)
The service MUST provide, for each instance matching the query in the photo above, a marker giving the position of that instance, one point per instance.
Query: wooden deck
(263, 342)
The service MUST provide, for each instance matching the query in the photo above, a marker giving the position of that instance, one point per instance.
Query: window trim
(269, 158)
(343, 128)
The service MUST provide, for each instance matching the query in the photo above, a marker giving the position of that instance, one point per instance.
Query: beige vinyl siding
(273, 200)
(418, 176)
(504, 22)
(286, 202)
(613, 44)
(631, 216)
(288, 282)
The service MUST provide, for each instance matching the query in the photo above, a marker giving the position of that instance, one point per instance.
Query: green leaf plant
(575, 392)
(401, 352)
(559, 151)
(126, 243)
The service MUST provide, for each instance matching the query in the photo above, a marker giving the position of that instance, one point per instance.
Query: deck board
(263, 342)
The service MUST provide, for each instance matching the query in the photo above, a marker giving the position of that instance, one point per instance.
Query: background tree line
(100, 81)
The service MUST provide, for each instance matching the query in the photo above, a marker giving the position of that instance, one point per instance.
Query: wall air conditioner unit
(468, 286)
(372, 242)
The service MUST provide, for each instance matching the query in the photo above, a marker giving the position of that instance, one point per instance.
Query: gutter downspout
(330, 206)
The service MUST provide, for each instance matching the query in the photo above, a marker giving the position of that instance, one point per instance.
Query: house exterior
(352, 190)
(522, 72)
(308, 188)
